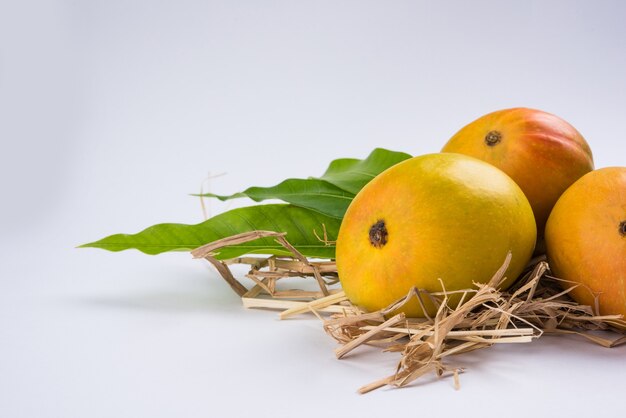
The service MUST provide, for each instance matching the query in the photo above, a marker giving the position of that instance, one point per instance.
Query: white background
(112, 111)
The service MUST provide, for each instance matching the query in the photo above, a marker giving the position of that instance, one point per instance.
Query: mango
(436, 222)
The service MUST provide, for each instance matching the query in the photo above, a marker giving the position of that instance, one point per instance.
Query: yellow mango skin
(448, 216)
(586, 239)
(541, 152)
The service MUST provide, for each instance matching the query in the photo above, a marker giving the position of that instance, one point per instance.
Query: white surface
(111, 111)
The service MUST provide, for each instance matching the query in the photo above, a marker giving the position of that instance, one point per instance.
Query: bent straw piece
(288, 304)
(227, 275)
(375, 385)
(256, 289)
(301, 294)
(470, 333)
(299, 267)
(316, 304)
(354, 319)
(498, 340)
(342, 351)
(207, 249)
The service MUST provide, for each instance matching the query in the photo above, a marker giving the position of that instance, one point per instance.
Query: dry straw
(535, 305)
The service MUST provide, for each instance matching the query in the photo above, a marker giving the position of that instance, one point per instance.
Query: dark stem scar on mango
(492, 138)
(622, 228)
(378, 234)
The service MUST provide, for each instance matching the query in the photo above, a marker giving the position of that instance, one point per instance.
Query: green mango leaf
(313, 194)
(301, 226)
(351, 174)
(330, 194)
(315, 205)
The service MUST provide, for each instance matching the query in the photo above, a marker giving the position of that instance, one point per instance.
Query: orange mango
(540, 151)
(586, 240)
(436, 222)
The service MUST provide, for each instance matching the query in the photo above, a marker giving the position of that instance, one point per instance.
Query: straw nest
(536, 304)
